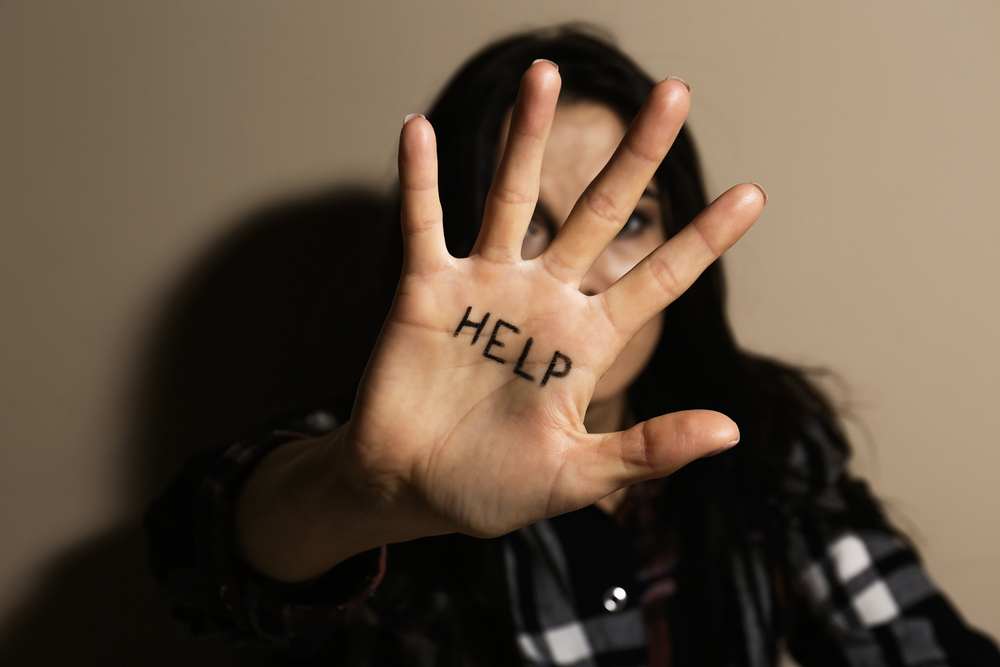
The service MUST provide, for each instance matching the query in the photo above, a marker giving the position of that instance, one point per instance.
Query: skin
(445, 439)
(582, 139)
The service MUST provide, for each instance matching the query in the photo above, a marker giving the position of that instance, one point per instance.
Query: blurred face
(584, 136)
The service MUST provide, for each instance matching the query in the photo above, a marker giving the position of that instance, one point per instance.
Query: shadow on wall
(279, 316)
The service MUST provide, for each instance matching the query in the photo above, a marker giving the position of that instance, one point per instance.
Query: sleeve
(863, 596)
(210, 591)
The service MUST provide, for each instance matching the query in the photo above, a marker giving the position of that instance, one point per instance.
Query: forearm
(208, 586)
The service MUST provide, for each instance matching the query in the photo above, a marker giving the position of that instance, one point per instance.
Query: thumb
(657, 447)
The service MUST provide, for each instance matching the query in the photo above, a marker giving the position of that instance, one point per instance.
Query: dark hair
(730, 513)
(468, 115)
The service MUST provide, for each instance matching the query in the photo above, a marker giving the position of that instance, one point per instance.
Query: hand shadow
(278, 316)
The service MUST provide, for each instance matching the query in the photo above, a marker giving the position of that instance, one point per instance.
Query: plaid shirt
(869, 601)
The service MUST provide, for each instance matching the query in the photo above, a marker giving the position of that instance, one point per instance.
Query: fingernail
(757, 185)
(729, 445)
(677, 78)
(411, 116)
(545, 60)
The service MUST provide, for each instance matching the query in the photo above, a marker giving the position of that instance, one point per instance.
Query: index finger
(668, 271)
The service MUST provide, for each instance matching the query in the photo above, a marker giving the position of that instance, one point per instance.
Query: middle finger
(512, 196)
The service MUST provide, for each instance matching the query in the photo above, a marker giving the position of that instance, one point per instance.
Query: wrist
(296, 516)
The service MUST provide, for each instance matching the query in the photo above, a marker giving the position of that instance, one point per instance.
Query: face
(584, 136)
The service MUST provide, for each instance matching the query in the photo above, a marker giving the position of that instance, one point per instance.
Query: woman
(535, 394)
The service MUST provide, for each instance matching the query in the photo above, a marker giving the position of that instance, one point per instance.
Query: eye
(635, 225)
(534, 229)
(536, 239)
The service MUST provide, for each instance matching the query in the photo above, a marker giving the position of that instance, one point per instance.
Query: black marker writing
(520, 362)
(552, 372)
(478, 326)
(494, 342)
(567, 363)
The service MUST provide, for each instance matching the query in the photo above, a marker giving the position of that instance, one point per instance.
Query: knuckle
(416, 185)
(512, 196)
(558, 267)
(528, 130)
(419, 225)
(610, 315)
(710, 247)
(666, 278)
(603, 207)
(639, 151)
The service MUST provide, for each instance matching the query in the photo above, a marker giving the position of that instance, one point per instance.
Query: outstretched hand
(470, 416)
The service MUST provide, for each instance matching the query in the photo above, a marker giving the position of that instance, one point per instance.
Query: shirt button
(615, 598)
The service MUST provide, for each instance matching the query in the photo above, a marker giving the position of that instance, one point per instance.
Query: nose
(602, 275)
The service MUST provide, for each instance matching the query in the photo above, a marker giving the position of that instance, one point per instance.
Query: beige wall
(134, 135)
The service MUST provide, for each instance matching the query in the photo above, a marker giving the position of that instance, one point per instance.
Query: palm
(493, 430)
(471, 410)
